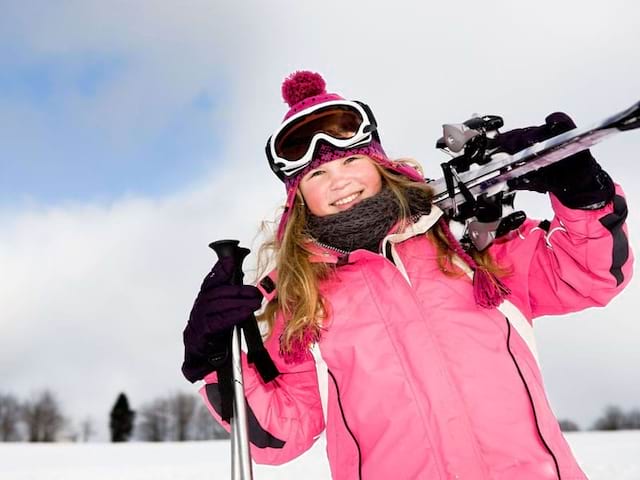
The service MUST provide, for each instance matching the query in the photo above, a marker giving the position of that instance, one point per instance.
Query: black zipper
(533, 407)
(344, 419)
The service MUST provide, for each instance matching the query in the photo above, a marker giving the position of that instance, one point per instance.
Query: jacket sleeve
(285, 415)
(582, 258)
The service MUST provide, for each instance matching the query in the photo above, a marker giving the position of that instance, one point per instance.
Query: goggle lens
(339, 122)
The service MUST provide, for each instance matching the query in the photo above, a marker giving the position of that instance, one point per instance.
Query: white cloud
(95, 297)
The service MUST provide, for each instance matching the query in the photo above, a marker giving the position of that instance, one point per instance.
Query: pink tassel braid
(300, 347)
(488, 290)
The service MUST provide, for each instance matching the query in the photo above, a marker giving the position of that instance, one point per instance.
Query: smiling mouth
(346, 200)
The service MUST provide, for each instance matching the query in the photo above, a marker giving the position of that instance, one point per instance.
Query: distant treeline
(175, 417)
(613, 418)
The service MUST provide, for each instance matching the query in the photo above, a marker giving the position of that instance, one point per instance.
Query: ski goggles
(341, 123)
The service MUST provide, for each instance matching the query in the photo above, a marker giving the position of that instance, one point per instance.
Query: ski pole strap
(225, 387)
(256, 353)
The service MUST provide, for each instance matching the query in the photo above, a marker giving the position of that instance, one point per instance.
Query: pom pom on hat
(300, 85)
(304, 89)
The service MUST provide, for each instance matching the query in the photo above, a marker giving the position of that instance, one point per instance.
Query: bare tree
(632, 419)
(154, 423)
(612, 419)
(43, 417)
(9, 418)
(205, 427)
(568, 426)
(182, 407)
(87, 429)
(177, 417)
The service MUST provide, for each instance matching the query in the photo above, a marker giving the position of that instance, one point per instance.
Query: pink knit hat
(302, 90)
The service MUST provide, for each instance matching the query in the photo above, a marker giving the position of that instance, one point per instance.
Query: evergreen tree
(121, 423)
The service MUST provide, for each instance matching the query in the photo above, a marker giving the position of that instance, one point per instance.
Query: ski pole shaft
(240, 453)
(241, 456)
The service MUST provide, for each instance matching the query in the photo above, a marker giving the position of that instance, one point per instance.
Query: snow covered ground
(603, 456)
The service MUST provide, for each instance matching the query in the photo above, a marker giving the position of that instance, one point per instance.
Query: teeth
(348, 199)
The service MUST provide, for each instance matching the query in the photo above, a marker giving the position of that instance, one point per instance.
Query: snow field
(603, 456)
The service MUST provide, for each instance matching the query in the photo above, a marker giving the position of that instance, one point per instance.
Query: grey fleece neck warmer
(366, 223)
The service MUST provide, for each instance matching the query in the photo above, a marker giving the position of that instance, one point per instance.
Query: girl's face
(338, 185)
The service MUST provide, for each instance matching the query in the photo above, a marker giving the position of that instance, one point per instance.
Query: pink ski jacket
(423, 383)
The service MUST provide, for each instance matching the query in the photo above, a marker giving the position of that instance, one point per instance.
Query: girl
(412, 352)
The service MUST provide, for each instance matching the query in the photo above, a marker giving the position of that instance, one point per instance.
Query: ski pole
(240, 453)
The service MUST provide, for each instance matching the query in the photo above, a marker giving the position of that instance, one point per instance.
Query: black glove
(578, 181)
(217, 309)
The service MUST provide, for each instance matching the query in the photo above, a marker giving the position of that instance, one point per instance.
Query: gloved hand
(218, 308)
(578, 181)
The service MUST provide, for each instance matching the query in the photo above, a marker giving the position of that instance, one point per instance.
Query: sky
(133, 134)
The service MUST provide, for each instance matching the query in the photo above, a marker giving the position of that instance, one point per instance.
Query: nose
(339, 179)
(339, 183)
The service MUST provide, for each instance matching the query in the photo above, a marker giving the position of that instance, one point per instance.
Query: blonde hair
(298, 296)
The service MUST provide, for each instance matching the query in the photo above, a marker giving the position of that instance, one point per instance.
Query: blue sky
(55, 150)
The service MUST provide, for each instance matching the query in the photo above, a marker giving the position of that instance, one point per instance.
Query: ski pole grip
(257, 354)
(231, 248)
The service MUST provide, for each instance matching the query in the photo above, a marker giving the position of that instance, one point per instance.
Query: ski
(494, 170)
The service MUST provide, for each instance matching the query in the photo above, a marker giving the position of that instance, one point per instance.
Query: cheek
(314, 198)
(373, 181)
(377, 182)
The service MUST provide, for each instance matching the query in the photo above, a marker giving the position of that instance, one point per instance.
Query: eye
(350, 159)
(315, 173)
